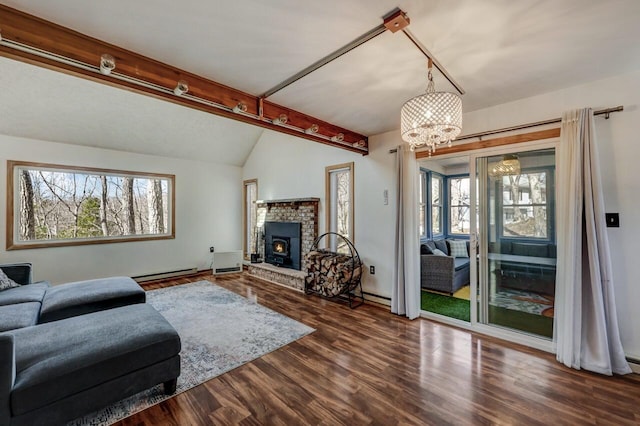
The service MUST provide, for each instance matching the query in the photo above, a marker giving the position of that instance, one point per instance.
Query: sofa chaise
(71, 349)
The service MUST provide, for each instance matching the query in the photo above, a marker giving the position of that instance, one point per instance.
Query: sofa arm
(436, 272)
(7, 376)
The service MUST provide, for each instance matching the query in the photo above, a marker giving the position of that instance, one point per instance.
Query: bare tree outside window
(339, 208)
(250, 211)
(60, 205)
(524, 209)
(459, 199)
(436, 205)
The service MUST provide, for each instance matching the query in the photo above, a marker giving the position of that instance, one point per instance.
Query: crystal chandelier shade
(431, 119)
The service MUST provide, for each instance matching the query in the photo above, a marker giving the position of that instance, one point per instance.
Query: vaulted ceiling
(498, 50)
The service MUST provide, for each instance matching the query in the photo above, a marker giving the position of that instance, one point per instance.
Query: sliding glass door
(514, 238)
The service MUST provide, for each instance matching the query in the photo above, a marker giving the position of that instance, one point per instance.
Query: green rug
(461, 309)
(446, 305)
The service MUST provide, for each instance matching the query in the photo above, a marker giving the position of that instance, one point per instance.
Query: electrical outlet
(372, 270)
(211, 249)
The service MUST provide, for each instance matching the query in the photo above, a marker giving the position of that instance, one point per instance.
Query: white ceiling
(498, 50)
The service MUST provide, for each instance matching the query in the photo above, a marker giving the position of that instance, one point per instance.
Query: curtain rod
(606, 112)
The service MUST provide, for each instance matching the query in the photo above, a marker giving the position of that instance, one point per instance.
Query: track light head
(337, 138)
(181, 88)
(281, 119)
(313, 129)
(241, 107)
(107, 64)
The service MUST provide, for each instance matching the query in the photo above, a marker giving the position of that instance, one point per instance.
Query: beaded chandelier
(431, 119)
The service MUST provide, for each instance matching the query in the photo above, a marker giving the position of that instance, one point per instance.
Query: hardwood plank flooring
(367, 366)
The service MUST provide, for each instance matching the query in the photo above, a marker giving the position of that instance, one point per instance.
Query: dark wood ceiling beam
(31, 31)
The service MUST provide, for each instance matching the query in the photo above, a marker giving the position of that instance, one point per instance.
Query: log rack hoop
(349, 290)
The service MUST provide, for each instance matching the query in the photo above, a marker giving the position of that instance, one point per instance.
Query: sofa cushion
(19, 315)
(460, 263)
(439, 252)
(6, 282)
(430, 244)
(425, 249)
(442, 246)
(529, 249)
(457, 248)
(24, 293)
(65, 357)
(82, 297)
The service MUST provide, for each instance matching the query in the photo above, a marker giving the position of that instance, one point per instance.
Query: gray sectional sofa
(442, 272)
(71, 349)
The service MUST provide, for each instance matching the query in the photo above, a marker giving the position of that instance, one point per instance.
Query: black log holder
(353, 286)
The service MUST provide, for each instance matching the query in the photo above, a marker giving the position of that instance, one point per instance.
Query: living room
(55, 118)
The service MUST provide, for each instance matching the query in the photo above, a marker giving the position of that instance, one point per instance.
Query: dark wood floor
(366, 366)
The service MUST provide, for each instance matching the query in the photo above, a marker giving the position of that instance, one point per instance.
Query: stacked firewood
(330, 274)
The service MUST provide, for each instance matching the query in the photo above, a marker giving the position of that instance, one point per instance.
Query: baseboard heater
(227, 262)
(165, 275)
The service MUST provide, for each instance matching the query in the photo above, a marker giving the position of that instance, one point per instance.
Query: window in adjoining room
(422, 204)
(459, 205)
(431, 204)
(436, 204)
(339, 202)
(250, 217)
(525, 204)
(50, 205)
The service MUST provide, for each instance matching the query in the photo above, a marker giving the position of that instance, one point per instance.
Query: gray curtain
(586, 333)
(405, 296)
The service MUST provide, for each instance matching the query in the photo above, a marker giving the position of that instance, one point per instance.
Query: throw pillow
(438, 252)
(425, 249)
(442, 246)
(6, 282)
(458, 248)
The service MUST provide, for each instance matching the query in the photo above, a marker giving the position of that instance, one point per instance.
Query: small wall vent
(227, 262)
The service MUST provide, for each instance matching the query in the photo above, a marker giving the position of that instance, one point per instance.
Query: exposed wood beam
(206, 95)
(491, 143)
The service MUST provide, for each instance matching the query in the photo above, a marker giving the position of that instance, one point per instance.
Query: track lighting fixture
(312, 130)
(241, 107)
(282, 119)
(359, 144)
(107, 64)
(181, 88)
(337, 138)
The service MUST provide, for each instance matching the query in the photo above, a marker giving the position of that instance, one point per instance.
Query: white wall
(208, 197)
(619, 156)
(290, 167)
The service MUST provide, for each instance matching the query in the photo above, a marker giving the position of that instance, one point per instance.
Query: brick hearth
(303, 210)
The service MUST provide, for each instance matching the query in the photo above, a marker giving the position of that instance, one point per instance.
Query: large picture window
(51, 205)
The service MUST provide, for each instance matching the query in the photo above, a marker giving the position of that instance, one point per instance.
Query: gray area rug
(220, 331)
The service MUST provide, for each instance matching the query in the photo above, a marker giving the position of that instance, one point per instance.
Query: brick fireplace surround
(303, 210)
